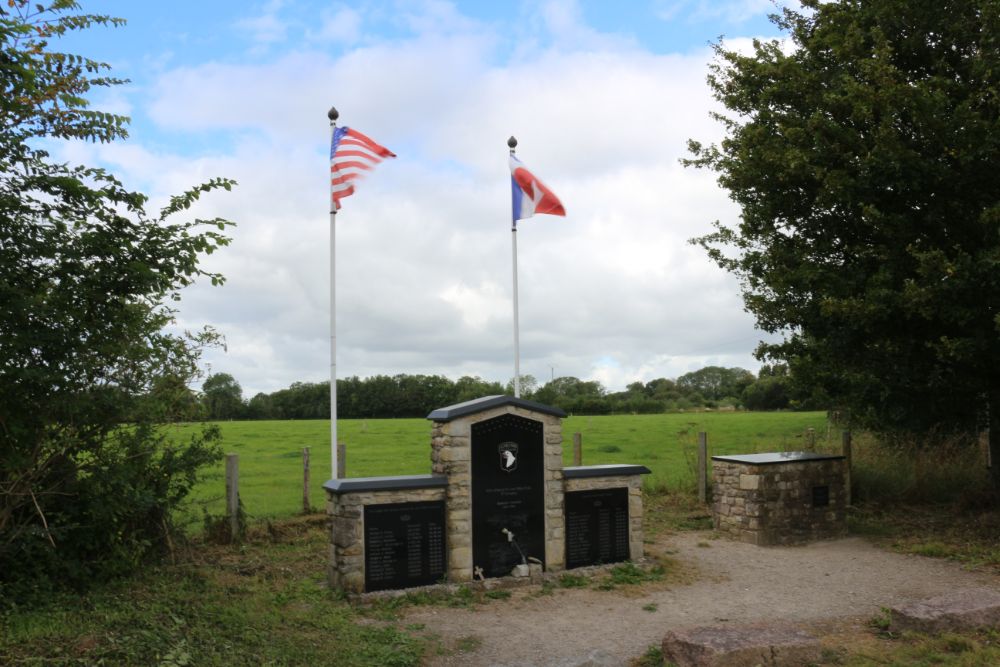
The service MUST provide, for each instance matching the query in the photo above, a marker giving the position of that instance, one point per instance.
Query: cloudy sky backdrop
(602, 98)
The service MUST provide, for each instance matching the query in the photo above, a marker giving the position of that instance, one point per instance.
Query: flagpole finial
(333, 114)
(512, 142)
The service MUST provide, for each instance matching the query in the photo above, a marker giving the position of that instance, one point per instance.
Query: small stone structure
(736, 645)
(498, 501)
(957, 610)
(780, 498)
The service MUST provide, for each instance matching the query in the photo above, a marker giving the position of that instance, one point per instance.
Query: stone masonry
(787, 499)
(346, 512)
(451, 481)
(451, 455)
(634, 485)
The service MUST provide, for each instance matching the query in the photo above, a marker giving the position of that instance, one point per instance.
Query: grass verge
(262, 603)
(969, 536)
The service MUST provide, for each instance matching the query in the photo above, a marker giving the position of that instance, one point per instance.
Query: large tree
(865, 157)
(87, 368)
(223, 397)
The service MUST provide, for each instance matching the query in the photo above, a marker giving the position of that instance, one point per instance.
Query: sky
(602, 98)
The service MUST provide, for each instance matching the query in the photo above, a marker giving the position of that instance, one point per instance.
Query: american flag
(352, 155)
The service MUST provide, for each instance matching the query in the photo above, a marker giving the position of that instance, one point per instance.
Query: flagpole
(332, 114)
(512, 143)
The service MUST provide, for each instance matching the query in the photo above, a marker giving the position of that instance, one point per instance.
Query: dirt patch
(843, 581)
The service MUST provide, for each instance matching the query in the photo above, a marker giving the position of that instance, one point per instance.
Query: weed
(468, 644)
(572, 581)
(609, 449)
(929, 549)
(703, 545)
(497, 594)
(629, 574)
(957, 644)
(881, 621)
(463, 597)
(651, 607)
(653, 657)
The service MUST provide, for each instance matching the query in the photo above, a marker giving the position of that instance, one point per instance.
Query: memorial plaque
(597, 527)
(821, 496)
(508, 464)
(404, 545)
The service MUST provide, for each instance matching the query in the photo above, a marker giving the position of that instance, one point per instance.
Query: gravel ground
(844, 580)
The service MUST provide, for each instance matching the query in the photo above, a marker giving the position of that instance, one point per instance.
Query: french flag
(529, 194)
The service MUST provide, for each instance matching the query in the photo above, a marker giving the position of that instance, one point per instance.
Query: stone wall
(346, 512)
(634, 485)
(451, 481)
(774, 503)
(451, 455)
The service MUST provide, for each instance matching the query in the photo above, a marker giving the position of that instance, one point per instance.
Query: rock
(961, 609)
(739, 645)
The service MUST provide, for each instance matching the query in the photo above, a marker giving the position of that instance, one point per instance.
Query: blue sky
(602, 97)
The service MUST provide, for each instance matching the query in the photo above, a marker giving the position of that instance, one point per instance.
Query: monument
(498, 502)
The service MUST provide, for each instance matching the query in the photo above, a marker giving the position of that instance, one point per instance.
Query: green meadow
(270, 452)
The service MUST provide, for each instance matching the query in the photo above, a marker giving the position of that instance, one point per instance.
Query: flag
(530, 195)
(352, 155)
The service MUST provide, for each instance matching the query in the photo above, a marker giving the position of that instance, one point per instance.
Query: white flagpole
(332, 114)
(512, 143)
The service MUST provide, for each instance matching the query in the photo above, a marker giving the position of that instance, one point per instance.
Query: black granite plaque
(597, 527)
(508, 465)
(404, 545)
(821, 496)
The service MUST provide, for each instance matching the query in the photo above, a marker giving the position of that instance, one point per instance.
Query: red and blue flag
(352, 155)
(529, 194)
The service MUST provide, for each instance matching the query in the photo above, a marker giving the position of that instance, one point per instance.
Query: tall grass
(912, 472)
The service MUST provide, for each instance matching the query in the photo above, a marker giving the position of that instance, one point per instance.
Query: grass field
(271, 451)
(264, 601)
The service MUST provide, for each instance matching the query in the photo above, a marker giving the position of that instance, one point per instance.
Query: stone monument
(498, 502)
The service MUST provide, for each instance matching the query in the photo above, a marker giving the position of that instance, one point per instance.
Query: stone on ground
(773, 645)
(958, 610)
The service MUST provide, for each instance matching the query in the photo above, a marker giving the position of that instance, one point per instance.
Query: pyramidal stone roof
(451, 412)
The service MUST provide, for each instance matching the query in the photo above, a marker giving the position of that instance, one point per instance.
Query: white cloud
(729, 11)
(268, 27)
(342, 26)
(612, 292)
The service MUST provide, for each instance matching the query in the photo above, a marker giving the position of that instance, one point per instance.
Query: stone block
(353, 581)
(344, 531)
(460, 557)
(736, 646)
(460, 574)
(454, 454)
(957, 610)
(458, 428)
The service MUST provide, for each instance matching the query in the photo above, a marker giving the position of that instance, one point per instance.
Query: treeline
(384, 396)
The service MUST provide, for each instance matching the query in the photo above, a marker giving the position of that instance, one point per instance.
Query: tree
(528, 385)
(866, 163)
(223, 397)
(87, 480)
(468, 388)
(715, 382)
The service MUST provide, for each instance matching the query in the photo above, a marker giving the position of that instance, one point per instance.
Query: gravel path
(847, 579)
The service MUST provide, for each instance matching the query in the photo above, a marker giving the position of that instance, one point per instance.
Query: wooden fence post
(577, 449)
(306, 505)
(845, 441)
(702, 467)
(341, 460)
(811, 439)
(233, 495)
